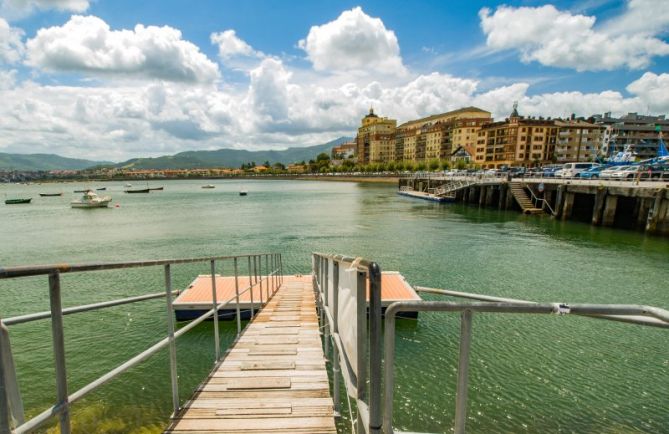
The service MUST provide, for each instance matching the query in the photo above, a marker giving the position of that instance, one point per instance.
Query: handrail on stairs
(536, 199)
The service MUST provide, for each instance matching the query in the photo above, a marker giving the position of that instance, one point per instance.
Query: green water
(528, 374)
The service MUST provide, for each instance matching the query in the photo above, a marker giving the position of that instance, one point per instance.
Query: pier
(326, 327)
(627, 204)
(272, 379)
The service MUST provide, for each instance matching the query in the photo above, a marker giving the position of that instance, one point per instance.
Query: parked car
(572, 170)
(626, 172)
(655, 171)
(549, 171)
(591, 173)
(609, 171)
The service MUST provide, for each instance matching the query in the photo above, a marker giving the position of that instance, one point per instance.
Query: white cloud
(11, 46)
(87, 44)
(354, 42)
(7, 79)
(22, 8)
(230, 45)
(557, 38)
(647, 17)
(653, 89)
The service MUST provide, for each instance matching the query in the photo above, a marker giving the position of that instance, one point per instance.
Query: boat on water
(101, 189)
(156, 188)
(128, 185)
(50, 194)
(243, 192)
(80, 191)
(138, 190)
(209, 186)
(90, 199)
(17, 201)
(425, 196)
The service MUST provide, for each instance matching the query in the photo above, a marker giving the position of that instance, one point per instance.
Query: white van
(572, 170)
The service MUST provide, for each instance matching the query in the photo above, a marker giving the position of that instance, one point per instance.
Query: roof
(441, 115)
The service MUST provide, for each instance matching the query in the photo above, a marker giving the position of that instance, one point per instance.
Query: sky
(118, 79)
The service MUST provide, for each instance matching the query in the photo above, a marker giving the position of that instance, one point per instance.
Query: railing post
(361, 325)
(268, 274)
(374, 348)
(239, 318)
(170, 336)
(281, 266)
(324, 304)
(335, 329)
(250, 285)
(463, 372)
(259, 277)
(214, 300)
(10, 397)
(59, 351)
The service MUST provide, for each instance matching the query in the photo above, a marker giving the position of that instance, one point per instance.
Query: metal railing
(636, 314)
(536, 200)
(366, 387)
(12, 416)
(364, 370)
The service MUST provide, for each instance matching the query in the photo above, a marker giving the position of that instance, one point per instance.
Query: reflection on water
(528, 373)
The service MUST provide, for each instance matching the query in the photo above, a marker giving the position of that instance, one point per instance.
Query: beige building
(516, 141)
(578, 140)
(376, 139)
(437, 136)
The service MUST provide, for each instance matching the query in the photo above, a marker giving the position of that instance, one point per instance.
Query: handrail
(11, 406)
(537, 199)
(326, 271)
(467, 310)
(35, 270)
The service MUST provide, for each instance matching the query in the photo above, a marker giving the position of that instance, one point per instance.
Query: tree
(433, 164)
(267, 164)
(323, 157)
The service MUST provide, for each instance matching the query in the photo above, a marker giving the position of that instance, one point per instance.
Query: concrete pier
(627, 204)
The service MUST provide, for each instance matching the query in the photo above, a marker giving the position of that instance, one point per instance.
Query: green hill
(44, 162)
(230, 157)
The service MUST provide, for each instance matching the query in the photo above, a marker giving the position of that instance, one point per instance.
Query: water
(528, 374)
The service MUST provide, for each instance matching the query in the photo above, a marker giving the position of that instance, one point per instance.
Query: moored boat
(50, 194)
(139, 190)
(243, 192)
(17, 201)
(101, 189)
(156, 188)
(91, 200)
(209, 186)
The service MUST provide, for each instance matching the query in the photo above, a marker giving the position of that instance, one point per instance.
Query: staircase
(524, 201)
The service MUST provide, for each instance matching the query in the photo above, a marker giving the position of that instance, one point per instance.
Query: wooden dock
(272, 379)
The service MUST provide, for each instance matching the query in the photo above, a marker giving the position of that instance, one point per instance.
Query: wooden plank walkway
(273, 379)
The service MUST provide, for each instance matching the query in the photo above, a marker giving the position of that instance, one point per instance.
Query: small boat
(17, 201)
(209, 186)
(50, 194)
(128, 185)
(80, 191)
(243, 192)
(91, 200)
(101, 189)
(156, 188)
(138, 190)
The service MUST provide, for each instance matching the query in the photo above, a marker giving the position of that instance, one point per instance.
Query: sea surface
(528, 374)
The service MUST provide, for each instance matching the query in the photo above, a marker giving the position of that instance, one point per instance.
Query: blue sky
(119, 79)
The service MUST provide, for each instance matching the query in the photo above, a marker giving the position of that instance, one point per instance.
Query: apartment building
(639, 131)
(376, 139)
(578, 140)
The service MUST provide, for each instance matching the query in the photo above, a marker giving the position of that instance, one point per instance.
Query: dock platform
(272, 379)
(196, 298)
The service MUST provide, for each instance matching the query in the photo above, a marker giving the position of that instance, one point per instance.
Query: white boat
(128, 185)
(91, 200)
(243, 192)
(209, 186)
